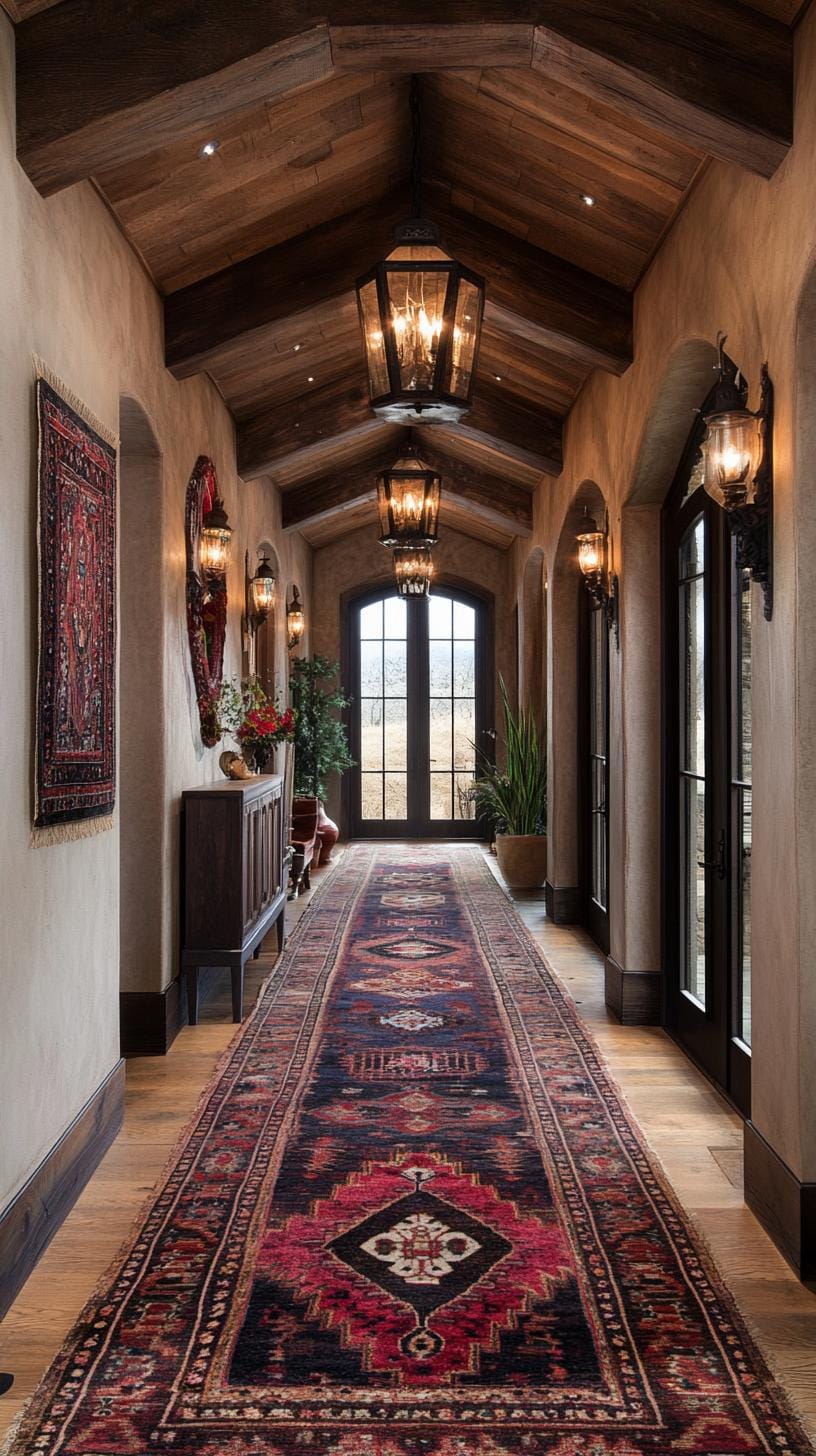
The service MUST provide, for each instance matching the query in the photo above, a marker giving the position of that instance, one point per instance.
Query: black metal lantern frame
(749, 512)
(601, 583)
(438, 386)
(421, 317)
(408, 498)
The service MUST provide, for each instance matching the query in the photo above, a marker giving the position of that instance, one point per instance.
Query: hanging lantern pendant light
(421, 316)
(408, 501)
(413, 570)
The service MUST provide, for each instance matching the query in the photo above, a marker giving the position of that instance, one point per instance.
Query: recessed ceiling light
(498, 378)
(310, 379)
(296, 347)
(210, 148)
(587, 199)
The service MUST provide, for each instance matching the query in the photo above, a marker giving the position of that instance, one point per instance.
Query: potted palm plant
(514, 799)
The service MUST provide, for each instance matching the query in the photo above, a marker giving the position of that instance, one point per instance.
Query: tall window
(708, 812)
(692, 765)
(741, 781)
(594, 756)
(384, 709)
(452, 706)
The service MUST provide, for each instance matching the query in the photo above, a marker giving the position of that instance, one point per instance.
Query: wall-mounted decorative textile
(206, 604)
(75, 750)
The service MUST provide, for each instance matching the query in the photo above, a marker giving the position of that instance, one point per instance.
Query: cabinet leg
(237, 993)
(192, 995)
(257, 950)
(307, 876)
(280, 928)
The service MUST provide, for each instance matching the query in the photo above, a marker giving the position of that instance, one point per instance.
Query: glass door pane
(741, 806)
(451, 707)
(692, 759)
(383, 736)
(599, 763)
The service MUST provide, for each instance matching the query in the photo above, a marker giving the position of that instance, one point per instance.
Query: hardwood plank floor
(693, 1131)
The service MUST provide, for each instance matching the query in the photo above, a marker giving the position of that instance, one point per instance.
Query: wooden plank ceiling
(257, 246)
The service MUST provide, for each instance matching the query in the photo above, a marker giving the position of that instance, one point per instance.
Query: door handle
(718, 865)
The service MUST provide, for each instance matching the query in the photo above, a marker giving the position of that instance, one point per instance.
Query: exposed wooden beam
(498, 502)
(172, 70)
(333, 492)
(282, 429)
(534, 294)
(310, 421)
(531, 436)
(711, 73)
(205, 321)
(546, 301)
(101, 83)
(491, 497)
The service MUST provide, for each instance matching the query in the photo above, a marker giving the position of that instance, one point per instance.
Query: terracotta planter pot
(522, 860)
(328, 834)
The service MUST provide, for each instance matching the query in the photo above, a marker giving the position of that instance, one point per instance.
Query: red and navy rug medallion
(412, 1219)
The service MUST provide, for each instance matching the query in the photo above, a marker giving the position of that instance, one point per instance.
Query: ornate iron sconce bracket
(752, 525)
(607, 596)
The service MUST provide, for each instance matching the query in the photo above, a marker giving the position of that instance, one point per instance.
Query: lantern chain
(416, 147)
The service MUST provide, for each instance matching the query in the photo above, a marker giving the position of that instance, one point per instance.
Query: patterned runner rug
(411, 1219)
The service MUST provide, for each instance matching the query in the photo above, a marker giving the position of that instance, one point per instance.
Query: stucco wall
(359, 560)
(737, 259)
(72, 291)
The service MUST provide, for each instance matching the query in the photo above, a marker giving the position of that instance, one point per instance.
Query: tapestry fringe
(43, 371)
(49, 834)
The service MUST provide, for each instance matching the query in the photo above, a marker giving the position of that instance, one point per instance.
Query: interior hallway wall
(72, 291)
(736, 260)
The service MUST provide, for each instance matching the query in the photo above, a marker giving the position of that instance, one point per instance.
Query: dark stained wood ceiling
(257, 246)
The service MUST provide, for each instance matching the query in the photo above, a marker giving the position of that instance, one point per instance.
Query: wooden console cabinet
(234, 871)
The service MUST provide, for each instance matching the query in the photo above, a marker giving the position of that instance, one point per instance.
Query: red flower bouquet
(262, 729)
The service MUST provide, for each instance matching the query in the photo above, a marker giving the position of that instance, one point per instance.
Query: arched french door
(707, 784)
(420, 672)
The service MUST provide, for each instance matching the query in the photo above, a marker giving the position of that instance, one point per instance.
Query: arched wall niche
(533, 685)
(141, 702)
(562, 695)
(634, 966)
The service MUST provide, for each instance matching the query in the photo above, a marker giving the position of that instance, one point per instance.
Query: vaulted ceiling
(529, 108)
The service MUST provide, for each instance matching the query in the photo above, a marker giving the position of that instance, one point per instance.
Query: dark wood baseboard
(785, 1207)
(32, 1218)
(150, 1021)
(634, 997)
(562, 903)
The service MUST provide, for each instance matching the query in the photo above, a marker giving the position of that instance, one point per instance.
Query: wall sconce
(601, 584)
(295, 620)
(262, 591)
(737, 467)
(214, 540)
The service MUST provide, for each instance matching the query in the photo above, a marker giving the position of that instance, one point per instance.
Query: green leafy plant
(514, 798)
(234, 701)
(321, 742)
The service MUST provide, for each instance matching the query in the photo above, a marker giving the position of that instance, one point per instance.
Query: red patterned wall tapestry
(206, 604)
(75, 750)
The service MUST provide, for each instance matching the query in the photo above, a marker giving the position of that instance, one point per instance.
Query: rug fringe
(44, 836)
(44, 371)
